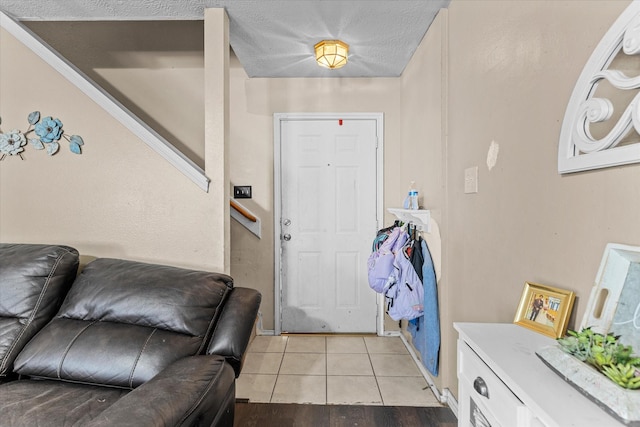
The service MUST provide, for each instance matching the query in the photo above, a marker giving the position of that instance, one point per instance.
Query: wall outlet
(241, 191)
(471, 180)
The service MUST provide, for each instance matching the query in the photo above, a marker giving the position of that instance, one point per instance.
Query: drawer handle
(481, 387)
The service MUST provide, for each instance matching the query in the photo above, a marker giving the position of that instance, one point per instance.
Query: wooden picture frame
(545, 309)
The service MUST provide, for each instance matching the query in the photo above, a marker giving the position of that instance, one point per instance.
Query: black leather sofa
(122, 344)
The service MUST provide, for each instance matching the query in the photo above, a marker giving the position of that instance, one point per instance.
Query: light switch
(471, 180)
(241, 191)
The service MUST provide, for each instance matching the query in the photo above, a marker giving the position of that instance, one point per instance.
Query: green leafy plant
(606, 354)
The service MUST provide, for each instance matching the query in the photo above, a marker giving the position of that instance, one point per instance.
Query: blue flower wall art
(45, 134)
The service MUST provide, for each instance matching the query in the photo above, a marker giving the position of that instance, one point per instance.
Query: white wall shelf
(421, 218)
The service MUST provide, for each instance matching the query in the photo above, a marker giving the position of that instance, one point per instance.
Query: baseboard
(445, 397)
(451, 401)
(423, 370)
(259, 330)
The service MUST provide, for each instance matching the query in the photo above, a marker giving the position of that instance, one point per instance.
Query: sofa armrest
(193, 391)
(233, 330)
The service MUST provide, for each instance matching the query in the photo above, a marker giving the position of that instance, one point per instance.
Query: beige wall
(487, 71)
(252, 105)
(512, 67)
(155, 69)
(119, 198)
(423, 153)
(216, 128)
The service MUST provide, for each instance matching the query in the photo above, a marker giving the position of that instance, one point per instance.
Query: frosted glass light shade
(331, 53)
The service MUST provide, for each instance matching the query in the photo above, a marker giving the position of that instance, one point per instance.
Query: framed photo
(545, 309)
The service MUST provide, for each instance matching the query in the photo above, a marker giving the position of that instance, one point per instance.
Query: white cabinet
(502, 383)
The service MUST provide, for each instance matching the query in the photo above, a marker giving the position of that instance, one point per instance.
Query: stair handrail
(245, 213)
(245, 217)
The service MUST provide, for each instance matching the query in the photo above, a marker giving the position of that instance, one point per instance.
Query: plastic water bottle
(411, 202)
(413, 199)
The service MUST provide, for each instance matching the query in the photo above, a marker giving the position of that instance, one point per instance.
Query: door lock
(286, 222)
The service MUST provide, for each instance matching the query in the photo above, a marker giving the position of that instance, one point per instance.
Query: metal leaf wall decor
(42, 134)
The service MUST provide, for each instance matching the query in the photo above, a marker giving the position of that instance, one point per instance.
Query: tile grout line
(338, 350)
(273, 390)
(326, 373)
(374, 374)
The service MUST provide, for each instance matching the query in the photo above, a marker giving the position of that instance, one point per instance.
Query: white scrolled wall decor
(579, 149)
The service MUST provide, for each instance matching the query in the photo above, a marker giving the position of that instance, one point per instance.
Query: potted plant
(606, 354)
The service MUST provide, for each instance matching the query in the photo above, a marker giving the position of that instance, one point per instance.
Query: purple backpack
(380, 264)
(405, 297)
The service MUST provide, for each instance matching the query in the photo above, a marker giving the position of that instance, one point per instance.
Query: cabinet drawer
(487, 391)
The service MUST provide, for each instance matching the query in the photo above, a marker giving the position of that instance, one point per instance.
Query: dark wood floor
(290, 415)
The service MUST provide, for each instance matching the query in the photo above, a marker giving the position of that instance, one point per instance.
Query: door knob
(287, 222)
(287, 237)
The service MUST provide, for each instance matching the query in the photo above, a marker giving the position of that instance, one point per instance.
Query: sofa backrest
(123, 322)
(33, 282)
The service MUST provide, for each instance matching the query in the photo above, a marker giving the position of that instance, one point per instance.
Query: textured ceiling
(275, 38)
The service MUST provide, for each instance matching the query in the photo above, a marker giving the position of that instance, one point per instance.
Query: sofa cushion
(192, 391)
(33, 282)
(53, 403)
(123, 322)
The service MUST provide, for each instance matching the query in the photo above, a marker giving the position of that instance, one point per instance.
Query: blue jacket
(425, 330)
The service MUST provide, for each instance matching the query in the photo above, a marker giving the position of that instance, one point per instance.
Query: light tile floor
(345, 370)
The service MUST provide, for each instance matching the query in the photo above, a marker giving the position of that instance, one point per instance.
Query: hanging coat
(425, 330)
(405, 296)
(416, 256)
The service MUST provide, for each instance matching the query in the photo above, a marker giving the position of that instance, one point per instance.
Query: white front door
(327, 223)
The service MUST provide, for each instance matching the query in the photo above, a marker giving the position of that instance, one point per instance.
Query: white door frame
(278, 118)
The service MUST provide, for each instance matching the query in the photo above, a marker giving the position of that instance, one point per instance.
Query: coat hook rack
(421, 218)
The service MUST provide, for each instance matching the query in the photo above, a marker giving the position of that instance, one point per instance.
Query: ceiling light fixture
(331, 53)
